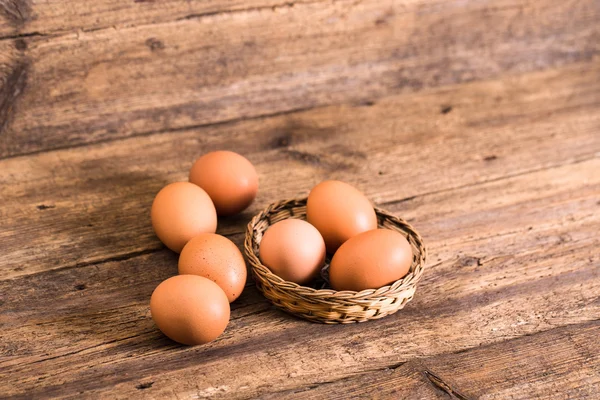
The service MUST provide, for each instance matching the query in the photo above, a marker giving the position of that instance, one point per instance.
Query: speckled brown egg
(370, 260)
(190, 309)
(217, 258)
(181, 211)
(339, 211)
(229, 179)
(293, 249)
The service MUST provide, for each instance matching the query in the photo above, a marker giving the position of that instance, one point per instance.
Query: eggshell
(190, 309)
(370, 260)
(293, 249)
(229, 179)
(181, 211)
(339, 211)
(217, 258)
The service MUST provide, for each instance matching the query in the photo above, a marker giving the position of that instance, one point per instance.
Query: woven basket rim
(326, 295)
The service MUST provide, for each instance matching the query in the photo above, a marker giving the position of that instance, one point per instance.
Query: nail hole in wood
(446, 109)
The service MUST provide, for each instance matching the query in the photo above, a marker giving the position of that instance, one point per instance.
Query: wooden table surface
(477, 121)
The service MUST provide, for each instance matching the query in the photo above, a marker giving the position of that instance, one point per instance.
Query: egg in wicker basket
(327, 305)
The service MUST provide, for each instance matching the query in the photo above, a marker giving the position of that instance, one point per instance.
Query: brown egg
(190, 309)
(339, 211)
(293, 249)
(370, 260)
(229, 179)
(181, 211)
(217, 258)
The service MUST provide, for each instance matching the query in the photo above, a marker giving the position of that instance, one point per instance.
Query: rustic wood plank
(407, 381)
(497, 284)
(500, 177)
(562, 363)
(42, 18)
(112, 83)
(92, 203)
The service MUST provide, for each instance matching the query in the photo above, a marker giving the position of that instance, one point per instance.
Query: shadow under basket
(327, 305)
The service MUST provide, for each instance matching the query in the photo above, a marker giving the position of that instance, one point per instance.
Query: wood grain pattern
(93, 202)
(95, 86)
(475, 120)
(496, 284)
(43, 18)
(500, 371)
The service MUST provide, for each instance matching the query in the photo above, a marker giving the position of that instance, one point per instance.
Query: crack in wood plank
(18, 11)
(287, 4)
(117, 258)
(443, 386)
(23, 36)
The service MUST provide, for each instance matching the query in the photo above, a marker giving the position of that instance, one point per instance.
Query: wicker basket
(327, 305)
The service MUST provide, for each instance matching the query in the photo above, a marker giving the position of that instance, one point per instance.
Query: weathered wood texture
(44, 18)
(501, 371)
(477, 121)
(92, 201)
(85, 87)
(521, 258)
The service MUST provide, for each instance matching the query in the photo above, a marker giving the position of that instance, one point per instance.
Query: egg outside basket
(327, 305)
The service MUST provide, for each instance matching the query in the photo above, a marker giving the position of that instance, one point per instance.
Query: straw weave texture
(327, 305)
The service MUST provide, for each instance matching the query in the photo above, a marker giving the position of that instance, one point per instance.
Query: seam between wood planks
(59, 33)
(433, 378)
(120, 257)
(152, 331)
(171, 130)
(91, 347)
(130, 255)
(234, 306)
(500, 178)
